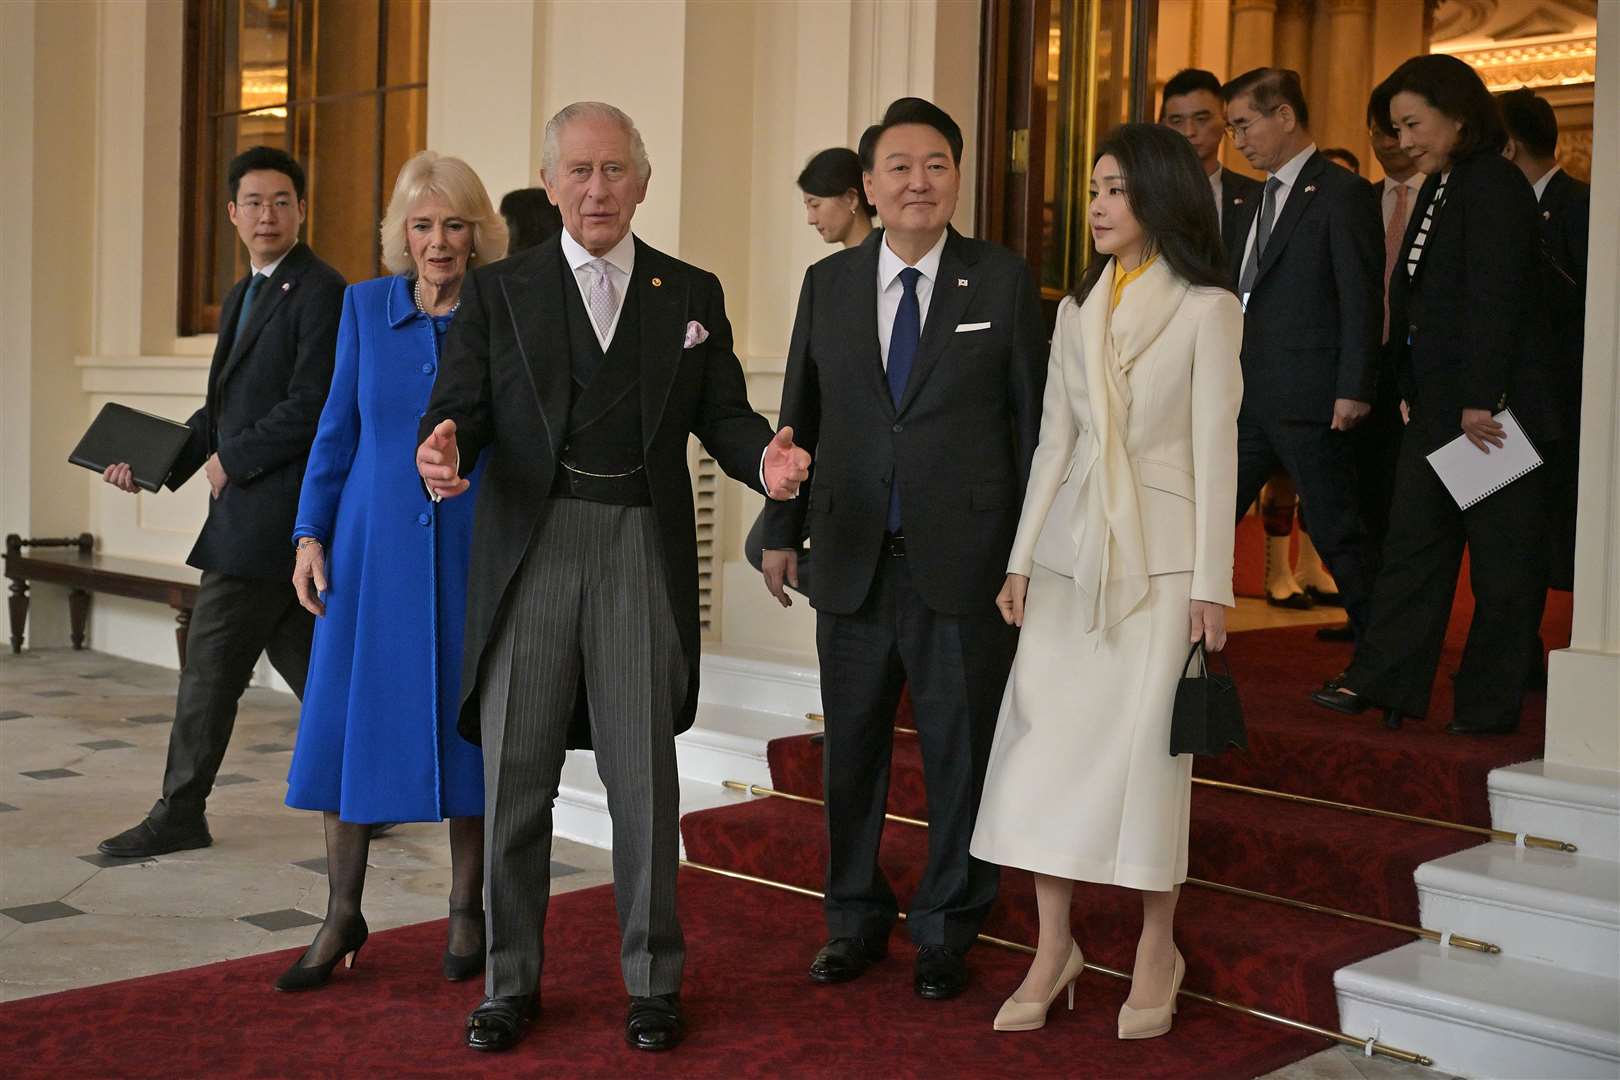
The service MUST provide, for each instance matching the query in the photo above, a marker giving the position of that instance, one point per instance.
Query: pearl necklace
(416, 294)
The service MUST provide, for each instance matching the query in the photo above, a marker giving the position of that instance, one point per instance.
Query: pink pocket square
(695, 334)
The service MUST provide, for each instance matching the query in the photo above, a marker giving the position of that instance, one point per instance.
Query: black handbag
(1207, 717)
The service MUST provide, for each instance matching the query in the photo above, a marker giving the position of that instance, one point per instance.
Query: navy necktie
(903, 340)
(247, 306)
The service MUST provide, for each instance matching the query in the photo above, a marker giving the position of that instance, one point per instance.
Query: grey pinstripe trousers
(589, 600)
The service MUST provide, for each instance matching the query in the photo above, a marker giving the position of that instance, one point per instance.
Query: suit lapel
(1415, 223)
(953, 290)
(1300, 197)
(534, 299)
(857, 310)
(663, 332)
(269, 297)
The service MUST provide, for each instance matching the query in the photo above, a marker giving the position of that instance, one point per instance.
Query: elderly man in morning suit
(578, 369)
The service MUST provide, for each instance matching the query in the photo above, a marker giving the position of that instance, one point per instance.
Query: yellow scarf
(1123, 279)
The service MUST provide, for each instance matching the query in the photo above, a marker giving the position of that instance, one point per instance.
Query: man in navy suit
(272, 368)
(1309, 272)
(1192, 106)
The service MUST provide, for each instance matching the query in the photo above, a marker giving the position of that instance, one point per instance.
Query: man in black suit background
(1308, 273)
(914, 376)
(1192, 105)
(271, 370)
(1565, 206)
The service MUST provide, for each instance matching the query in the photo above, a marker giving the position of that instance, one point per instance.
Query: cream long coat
(1174, 352)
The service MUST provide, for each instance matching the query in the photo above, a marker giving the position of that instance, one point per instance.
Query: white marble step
(1485, 1016)
(1537, 905)
(1561, 802)
(581, 811)
(728, 742)
(765, 680)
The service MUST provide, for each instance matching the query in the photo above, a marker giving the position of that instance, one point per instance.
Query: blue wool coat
(377, 738)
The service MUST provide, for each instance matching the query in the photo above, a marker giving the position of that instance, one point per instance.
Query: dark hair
(831, 173)
(911, 110)
(531, 220)
(1378, 107)
(1454, 88)
(267, 158)
(1270, 88)
(1531, 120)
(1188, 81)
(1343, 157)
(1168, 193)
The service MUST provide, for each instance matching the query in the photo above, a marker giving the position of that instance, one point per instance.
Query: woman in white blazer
(1123, 559)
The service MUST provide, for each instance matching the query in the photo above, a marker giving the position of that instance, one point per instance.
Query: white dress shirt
(890, 288)
(269, 269)
(1219, 189)
(621, 261)
(1540, 186)
(1413, 185)
(1287, 174)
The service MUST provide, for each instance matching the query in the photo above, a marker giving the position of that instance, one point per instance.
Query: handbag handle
(1198, 647)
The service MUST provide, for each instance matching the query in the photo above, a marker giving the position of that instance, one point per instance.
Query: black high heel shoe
(456, 966)
(1334, 696)
(300, 977)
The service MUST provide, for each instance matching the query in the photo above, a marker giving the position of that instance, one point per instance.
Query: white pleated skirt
(1081, 784)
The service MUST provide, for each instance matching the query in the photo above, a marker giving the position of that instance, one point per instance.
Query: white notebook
(1470, 474)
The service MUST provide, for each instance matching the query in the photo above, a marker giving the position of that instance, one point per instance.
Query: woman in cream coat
(1123, 559)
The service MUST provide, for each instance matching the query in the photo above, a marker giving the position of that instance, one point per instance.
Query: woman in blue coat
(385, 569)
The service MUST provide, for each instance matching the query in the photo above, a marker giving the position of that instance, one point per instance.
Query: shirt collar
(1540, 186)
(1291, 168)
(1413, 182)
(269, 269)
(890, 264)
(622, 256)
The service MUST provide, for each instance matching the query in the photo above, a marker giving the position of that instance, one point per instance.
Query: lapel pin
(1309, 188)
(285, 285)
(961, 283)
(1546, 215)
(1237, 200)
(656, 282)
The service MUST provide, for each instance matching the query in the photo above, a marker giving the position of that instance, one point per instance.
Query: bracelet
(306, 541)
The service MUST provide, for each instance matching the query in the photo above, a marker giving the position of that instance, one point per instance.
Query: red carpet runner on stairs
(751, 1010)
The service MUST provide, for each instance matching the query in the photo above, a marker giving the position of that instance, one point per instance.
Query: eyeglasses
(258, 207)
(1238, 131)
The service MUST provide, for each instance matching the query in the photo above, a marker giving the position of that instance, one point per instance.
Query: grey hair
(550, 150)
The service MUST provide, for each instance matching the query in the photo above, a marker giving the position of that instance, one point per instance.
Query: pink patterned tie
(1394, 233)
(602, 299)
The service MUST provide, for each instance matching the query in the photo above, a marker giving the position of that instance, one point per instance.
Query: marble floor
(82, 744)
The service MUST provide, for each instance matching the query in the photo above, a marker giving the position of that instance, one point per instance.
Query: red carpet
(752, 1013)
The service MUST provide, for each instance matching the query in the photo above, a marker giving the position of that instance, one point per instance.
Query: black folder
(148, 444)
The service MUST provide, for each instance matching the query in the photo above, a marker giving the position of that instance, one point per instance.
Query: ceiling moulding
(1457, 18)
(1538, 23)
(1554, 63)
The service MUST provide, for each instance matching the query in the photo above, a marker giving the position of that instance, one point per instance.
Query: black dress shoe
(1463, 727)
(1342, 632)
(654, 1023)
(1293, 601)
(1334, 696)
(1326, 599)
(846, 958)
(156, 838)
(941, 972)
(499, 1023)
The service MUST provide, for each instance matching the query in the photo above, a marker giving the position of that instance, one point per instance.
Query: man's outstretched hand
(785, 466)
(438, 461)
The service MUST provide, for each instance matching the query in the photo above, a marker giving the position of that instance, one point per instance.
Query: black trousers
(957, 668)
(1396, 660)
(1377, 446)
(1322, 463)
(236, 619)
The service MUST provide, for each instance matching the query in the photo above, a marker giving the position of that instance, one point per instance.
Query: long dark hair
(1456, 89)
(1169, 194)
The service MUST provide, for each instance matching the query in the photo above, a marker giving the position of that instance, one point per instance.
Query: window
(339, 84)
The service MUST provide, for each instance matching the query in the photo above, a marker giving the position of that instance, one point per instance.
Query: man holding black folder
(271, 370)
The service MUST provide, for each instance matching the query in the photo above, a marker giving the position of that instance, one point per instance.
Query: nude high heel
(1018, 1015)
(1149, 1023)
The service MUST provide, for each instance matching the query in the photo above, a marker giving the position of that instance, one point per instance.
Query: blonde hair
(452, 179)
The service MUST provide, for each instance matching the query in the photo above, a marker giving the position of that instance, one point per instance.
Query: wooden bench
(72, 561)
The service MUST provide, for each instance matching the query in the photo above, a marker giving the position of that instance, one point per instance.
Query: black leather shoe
(155, 838)
(846, 958)
(941, 972)
(654, 1023)
(1342, 632)
(1333, 696)
(1463, 727)
(1293, 601)
(499, 1023)
(1326, 599)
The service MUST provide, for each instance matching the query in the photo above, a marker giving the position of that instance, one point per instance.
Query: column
(1339, 103)
(1252, 34)
(1294, 38)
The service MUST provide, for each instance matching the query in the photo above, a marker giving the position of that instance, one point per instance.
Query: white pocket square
(695, 334)
(969, 327)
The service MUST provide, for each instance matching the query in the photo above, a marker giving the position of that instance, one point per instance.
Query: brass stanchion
(1372, 1045)
(1472, 944)
(1501, 835)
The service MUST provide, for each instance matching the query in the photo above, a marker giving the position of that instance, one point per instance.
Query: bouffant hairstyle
(453, 180)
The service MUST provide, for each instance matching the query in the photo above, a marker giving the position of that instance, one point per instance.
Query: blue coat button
(427, 369)
(423, 519)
